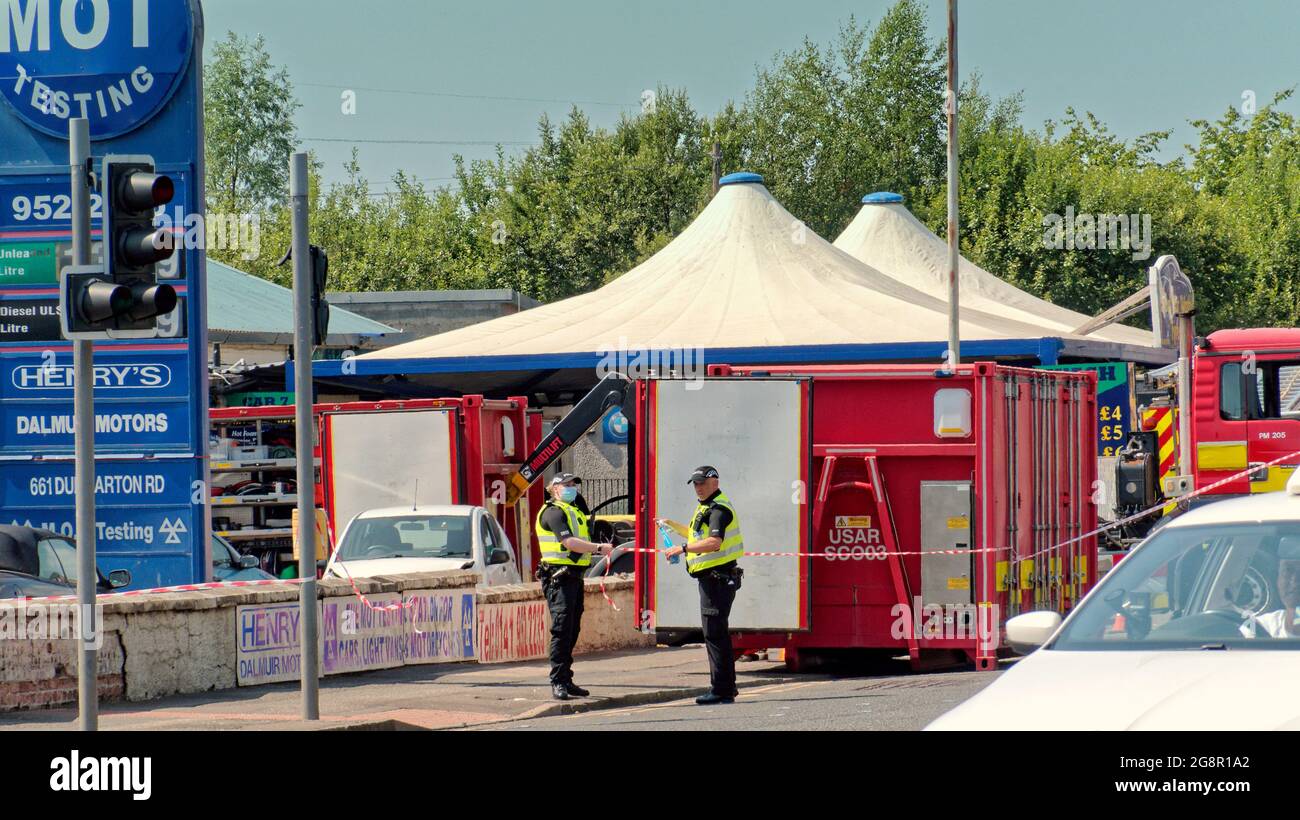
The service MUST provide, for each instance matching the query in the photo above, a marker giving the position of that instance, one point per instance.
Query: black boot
(575, 690)
(712, 698)
(559, 691)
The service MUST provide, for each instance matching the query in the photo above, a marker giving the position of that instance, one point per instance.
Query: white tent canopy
(886, 236)
(745, 274)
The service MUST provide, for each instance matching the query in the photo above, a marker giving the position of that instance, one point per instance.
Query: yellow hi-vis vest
(732, 547)
(553, 552)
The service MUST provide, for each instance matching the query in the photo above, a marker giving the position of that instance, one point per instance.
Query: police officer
(712, 553)
(563, 535)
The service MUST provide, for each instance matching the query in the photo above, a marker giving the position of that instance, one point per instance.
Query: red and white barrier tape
(1289, 457)
(373, 607)
(1292, 457)
(176, 588)
(1184, 497)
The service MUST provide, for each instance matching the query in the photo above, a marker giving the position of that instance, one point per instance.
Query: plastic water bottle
(663, 534)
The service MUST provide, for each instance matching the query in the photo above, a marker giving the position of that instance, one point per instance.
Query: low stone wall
(515, 624)
(162, 644)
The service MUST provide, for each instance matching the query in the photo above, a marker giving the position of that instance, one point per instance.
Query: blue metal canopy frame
(1046, 350)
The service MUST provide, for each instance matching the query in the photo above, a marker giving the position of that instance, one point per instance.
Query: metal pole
(84, 440)
(954, 254)
(302, 400)
(717, 166)
(1184, 409)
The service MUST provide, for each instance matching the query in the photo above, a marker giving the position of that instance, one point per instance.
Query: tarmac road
(900, 702)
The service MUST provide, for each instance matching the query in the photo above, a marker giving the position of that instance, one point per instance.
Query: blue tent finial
(741, 177)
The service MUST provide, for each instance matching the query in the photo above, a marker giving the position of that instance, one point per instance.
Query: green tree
(825, 125)
(248, 127)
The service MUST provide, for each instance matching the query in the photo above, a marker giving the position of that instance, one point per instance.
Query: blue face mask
(568, 494)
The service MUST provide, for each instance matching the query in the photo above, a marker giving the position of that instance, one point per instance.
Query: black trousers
(564, 599)
(716, 597)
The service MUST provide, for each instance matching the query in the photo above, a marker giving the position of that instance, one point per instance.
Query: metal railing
(599, 490)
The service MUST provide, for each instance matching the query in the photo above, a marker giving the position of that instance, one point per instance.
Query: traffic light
(320, 308)
(127, 298)
(320, 267)
(90, 301)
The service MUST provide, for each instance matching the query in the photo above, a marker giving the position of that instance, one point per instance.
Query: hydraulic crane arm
(615, 390)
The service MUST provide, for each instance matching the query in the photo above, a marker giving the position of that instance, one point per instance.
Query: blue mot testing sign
(116, 64)
(133, 68)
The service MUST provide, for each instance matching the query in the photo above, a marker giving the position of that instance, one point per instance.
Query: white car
(1194, 629)
(424, 539)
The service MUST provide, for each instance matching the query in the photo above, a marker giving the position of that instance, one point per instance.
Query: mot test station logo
(107, 377)
(75, 773)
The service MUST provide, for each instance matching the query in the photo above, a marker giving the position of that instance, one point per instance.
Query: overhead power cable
(414, 142)
(416, 93)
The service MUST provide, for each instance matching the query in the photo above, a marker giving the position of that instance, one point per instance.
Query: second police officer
(714, 547)
(564, 539)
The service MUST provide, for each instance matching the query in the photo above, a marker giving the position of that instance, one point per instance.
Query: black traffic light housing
(90, 301)
(320, 308)
(132, 190)
(320, 267)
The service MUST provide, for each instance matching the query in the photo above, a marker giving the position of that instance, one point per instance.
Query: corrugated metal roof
(248, 308)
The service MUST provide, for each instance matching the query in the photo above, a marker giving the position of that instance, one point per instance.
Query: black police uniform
(718, 587)
(564, 597)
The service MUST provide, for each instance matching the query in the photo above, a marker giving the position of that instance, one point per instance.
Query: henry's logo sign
(114, 62)
(107, 377)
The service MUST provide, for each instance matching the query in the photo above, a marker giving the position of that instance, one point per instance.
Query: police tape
(174, 588)
(1188, 496)
(373, 607)
(883, 552)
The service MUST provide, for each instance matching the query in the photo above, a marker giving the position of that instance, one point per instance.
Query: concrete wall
(424, 313)
(160, 644)
(523, 622)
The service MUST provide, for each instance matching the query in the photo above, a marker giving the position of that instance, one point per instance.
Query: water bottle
(663, 534)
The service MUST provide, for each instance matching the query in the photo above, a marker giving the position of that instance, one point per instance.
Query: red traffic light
(143, 191)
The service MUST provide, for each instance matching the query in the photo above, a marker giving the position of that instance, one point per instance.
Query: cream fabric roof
(889, 238)
(745, 274)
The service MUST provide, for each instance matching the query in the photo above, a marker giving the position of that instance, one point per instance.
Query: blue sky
(1139, 66)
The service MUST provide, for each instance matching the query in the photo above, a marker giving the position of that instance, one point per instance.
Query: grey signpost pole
(84, 437)
(954, 252)
(302, 399)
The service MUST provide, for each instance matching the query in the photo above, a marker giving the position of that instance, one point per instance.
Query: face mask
(568, 494)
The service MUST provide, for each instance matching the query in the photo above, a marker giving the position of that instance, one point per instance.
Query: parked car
(1194, 629)
(229, 565)
(424, 539)
(35, 563)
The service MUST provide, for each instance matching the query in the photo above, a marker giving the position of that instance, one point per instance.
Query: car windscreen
(407, 536)
(1228, 586)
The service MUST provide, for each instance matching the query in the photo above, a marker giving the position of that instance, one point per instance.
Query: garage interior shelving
(254, 512)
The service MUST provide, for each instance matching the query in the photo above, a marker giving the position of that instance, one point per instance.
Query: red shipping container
(905, 509)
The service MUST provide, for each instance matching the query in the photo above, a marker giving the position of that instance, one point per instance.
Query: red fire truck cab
(1246, 407)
